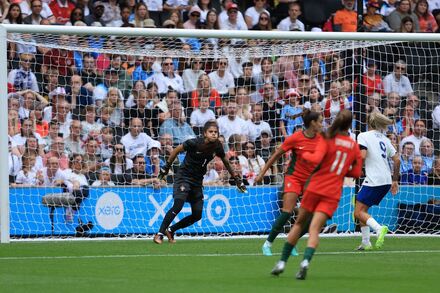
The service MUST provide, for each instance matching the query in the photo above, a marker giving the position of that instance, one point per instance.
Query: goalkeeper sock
(278, 226)
(365, 230)
(374, 225)
(287, 250)
(308, 253)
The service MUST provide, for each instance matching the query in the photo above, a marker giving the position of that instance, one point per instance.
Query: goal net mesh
(92, 119)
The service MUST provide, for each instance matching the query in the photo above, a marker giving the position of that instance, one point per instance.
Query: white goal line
(204, 255)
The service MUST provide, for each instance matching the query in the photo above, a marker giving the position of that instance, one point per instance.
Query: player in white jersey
(376, 151)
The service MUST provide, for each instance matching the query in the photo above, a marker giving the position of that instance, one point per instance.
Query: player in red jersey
(338, 156)
(298, 171)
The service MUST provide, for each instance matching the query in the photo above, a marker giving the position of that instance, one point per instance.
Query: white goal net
(93, 117)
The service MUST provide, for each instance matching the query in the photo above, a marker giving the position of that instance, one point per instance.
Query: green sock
(287, 249)
(308, 253)
(277, 227)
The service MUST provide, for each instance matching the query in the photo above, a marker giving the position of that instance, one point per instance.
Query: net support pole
(4, 151)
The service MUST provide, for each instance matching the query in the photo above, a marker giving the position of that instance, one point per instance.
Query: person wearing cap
(403, 9)
(169, 24)
(373, 20)
(292, 22)
(153, 162)
(96, 14)
(194, 16)
(104, 175)
(232, 22)
(291, 113)
(223, 15)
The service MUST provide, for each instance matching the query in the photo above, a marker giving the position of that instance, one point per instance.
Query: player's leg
(318, 221)
(292, 239)
(367, 197)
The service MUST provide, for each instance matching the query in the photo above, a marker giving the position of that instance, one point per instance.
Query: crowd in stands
(81, 119)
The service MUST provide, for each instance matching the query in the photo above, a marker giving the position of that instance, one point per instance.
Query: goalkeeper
(188, 179)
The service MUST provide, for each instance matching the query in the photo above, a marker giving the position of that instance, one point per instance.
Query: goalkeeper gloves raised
(240, 185)
(164, 171)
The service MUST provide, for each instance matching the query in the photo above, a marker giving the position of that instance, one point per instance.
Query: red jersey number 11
(339, 162)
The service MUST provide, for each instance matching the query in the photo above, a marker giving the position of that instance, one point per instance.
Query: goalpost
(131, 209)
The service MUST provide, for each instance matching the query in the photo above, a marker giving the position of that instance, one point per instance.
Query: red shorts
(314, 202)
(293, 184)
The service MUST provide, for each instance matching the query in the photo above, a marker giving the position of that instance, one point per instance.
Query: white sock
(365, 230)
(304, 263)
(374, 225)
(268, 244)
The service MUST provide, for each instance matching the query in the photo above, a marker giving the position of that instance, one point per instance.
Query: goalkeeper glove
(239, 183)
(164, 172)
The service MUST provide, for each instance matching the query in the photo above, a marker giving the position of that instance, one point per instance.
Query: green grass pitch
(227, 265)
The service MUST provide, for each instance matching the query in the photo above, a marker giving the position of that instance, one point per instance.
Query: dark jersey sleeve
(190, 144)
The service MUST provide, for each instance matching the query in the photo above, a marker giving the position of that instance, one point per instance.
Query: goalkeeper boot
(365, 247)
(294, 252)
(170, 236)
(158, 238)
(267, 251)
(278, 268)
(302, 273)
(381, 237)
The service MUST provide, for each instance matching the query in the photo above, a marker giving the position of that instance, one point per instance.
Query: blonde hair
(378, 121)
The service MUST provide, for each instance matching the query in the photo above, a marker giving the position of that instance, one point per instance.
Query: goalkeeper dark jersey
(198, 155)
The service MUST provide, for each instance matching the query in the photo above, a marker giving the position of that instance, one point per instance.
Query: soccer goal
(100, 103)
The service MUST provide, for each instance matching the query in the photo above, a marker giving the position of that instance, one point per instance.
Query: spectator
(427, 154)
(392, 107)
(26, 131)
(291, 114)
(112, 13)
(245, 79)
(388, 6)
(92, 158)
(317, 75)
(345, 19)
(212, 178)
(397, 81)
(403, 9)
(371, 80)
(221, 79)
(41, 126)
(141, 111)
(334, 103)
(29, 102)
(176, 18)
(415, 176)
(89, 127)
(223, 15)
(62, 10)
(166, 143)
(23, 78)
(251, 163)
(118, 163)
(115, 100)
(60, 59)
(406, 157)
(181, 6)
(232, 22)
(77, 16)
(407, 25)
(136, 142)
(253, 13)
(104, 178)
(373, 20)
(57, 151)
(89, 74)
(63, 116)
(413, 101)
(46, 12)
(176, 125)
(314, 98)
(168, 78)
(107, 141)
(27, 176)
(52, 174)
(153, 162)
(292, 23)
(201, 115)
(265, 147)
(145, 69)
(231, 124)
(427, 21)
(31, 149)
(267, 75)
(123, 20)
(111, 79)
(194, 16)
(373, 103)
(417, 136)
(35, 16)
(303, 89)
(264, 23)
(434, 176)
(139, 176)
(96, 14)
(243, 103)
(212, 21)
(14, 160)
(271, 110)
(256, 126)
(191, 75)
(141, 16)
(73, 143)
(138, 86)
(78, 96)
(125, 83)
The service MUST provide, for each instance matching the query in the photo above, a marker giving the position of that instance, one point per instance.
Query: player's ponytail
(308, 116)
(341, 123)
(378, 121)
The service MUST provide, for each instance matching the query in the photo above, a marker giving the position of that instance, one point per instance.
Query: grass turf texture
(229, 265)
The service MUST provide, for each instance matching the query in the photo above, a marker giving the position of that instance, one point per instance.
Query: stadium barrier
(137, 210)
